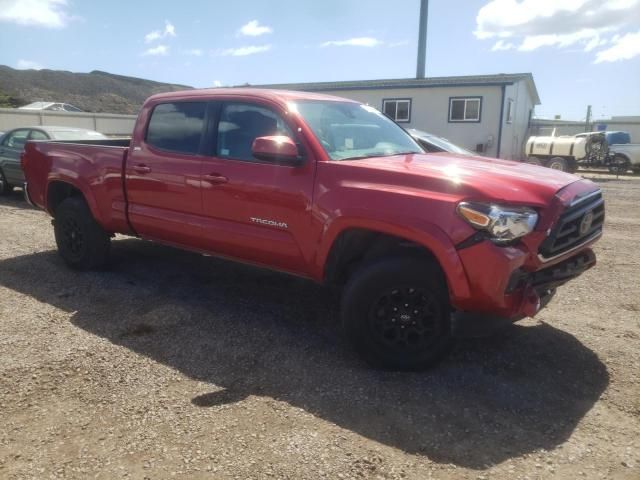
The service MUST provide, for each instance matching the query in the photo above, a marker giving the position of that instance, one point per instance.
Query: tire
(534, 161)
(82, 243)
(5, 187)
(572, 166)
(619, 165)
(396, 314)
(557, 163)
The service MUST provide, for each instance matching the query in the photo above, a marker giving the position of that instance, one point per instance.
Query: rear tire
(396, 313)
(619, 165)
(5, 187)
(557, 163)
(82, 243)
(534, 161)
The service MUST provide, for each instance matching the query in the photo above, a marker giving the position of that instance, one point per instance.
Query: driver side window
(240, 124)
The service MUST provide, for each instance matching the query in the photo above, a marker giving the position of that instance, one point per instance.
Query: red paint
(220, 206)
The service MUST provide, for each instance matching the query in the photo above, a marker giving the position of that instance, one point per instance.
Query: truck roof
(267, 93)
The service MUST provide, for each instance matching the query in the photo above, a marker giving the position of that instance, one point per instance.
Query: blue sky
(579, 51)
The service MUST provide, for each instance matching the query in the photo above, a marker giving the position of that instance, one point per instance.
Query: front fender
(412, 229)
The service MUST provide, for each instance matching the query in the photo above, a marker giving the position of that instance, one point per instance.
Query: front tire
(82, 242)
(5, 187)
(396, 313)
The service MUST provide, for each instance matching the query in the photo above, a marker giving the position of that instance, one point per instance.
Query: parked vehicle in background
(12, 146)
(589, 149)
(624, 157)
(434, 144)
(52, 106)
(332, 190)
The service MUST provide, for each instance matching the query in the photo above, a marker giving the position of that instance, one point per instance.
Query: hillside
(92, 92)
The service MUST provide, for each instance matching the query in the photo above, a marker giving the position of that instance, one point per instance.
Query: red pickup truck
(332, 190)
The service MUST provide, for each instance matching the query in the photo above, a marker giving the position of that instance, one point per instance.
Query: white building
(485, 113)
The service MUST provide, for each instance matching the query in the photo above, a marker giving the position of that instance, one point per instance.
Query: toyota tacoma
(331, 190)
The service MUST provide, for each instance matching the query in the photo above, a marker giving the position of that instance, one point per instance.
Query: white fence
(107, 123)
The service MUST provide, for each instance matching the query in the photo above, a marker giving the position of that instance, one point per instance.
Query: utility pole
(422, 39)
(587, 125)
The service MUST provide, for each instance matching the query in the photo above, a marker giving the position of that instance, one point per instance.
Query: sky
(581, 52)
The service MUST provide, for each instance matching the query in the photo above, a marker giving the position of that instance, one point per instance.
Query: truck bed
(94, 167)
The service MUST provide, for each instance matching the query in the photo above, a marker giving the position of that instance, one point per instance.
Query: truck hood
(484, 178)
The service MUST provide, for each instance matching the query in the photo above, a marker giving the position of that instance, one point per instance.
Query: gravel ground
(171, 364)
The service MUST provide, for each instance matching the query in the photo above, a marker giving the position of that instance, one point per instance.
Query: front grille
(573, 227)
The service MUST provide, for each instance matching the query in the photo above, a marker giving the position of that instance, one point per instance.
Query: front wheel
(5, 187)
(82, 242)
(397, 315)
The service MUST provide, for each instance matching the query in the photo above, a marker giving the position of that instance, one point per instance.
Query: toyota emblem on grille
(586, 222)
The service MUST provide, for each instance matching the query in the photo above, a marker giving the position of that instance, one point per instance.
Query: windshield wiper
(377, 154)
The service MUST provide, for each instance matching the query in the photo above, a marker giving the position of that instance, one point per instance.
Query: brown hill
(92, 92)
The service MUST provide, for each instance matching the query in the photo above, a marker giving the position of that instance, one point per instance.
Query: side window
(17, 139)
(177, 127)
(38, 135)
(465, 109)
(510, 110)
(240, 124)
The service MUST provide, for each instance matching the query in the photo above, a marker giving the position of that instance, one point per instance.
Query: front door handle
(141, 168)
(216, 178)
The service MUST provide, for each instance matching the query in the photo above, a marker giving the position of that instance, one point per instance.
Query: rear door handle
(216, 178)
(141, 168)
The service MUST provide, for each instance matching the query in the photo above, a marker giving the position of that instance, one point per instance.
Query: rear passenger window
(38, 135)
(177, 127)
(240, 124)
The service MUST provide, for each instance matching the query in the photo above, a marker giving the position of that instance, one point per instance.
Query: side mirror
(276, 149)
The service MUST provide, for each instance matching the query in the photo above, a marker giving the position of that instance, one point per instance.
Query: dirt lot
(172, 364)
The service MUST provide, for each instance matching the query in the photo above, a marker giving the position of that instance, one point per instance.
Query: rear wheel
(396, 313)
(557, 163)
(534, 161)
(81, 241)
(619, 165)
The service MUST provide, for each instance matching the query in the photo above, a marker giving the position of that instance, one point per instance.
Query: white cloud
(244, 51)
(169, 31)
(28, 65)
(40, 13)
(532, 24)
(623, 48)
(354, 42)
(193, 52)
(217, 83)
(502, 45)
(401, 43)
(254, 29)
(160, 50)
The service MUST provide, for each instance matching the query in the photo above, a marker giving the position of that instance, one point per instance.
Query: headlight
(504, 224)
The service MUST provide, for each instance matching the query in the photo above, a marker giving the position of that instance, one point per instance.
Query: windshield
(441, 143)
(348, 131)
(76, 135)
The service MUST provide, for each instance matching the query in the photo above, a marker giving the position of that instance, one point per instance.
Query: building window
(465, 109)
(397, 109)
(510, 110)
